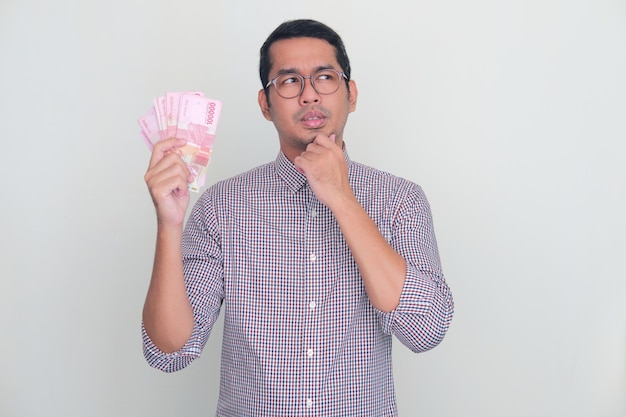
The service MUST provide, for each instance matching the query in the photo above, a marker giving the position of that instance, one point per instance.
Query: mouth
(313, 119)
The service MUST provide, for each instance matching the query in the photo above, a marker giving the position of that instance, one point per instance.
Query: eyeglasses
(291, 85)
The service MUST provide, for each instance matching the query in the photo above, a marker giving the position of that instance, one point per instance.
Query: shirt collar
(289, 174)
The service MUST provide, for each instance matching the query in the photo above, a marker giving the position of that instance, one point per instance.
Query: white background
(510, 114)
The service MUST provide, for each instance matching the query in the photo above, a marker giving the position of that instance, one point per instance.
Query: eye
(326, 76)
(289, 79)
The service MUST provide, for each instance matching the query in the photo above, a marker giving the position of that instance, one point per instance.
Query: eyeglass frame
(302, 81)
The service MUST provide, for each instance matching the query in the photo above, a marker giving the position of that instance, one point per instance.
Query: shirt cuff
(175, 361)
(418, 294)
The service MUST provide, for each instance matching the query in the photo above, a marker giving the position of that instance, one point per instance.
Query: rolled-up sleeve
(425, 310)
(203, 271)
(175, 361)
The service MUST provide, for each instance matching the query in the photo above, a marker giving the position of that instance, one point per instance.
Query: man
(318, 260)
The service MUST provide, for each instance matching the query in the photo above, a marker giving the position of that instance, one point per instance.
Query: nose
(309, 95)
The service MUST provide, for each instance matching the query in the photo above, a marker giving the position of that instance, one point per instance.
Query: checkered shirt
(300, 335)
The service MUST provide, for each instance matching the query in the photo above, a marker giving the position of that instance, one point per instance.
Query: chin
(305, 140)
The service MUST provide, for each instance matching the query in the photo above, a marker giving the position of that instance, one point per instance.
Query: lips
(313, 119)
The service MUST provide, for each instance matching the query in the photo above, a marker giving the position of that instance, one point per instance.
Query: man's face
(298, 120)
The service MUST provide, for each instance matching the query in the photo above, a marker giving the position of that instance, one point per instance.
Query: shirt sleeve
(203, 271)
(423, 315)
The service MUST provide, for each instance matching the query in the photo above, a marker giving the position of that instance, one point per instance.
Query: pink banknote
(198, 117)
(160, 107)
(150, 128)
(146, 139)
(197, 159)
(172, 102)
(187, 115)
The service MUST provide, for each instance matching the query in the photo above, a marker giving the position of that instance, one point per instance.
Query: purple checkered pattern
(300, 335)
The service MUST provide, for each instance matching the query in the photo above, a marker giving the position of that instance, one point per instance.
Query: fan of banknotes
(186, 115)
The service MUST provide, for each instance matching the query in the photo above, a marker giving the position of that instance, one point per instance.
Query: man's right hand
(167, 178)
(167, 313)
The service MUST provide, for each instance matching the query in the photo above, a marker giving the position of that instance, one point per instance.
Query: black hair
(302, 28)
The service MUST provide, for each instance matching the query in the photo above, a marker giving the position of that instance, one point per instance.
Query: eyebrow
(284, 71)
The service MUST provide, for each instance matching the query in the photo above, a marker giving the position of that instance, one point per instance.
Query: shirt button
(309, 403)
(309, 353)
(312, 257)
(313, 213)
(312, 305)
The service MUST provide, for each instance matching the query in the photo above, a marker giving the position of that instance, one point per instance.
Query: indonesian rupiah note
(186, 115)
(197, 119)
(150, 128)
(172, 102)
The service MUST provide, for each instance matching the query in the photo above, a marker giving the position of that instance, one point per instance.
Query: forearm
(383, 270)
(167, 313)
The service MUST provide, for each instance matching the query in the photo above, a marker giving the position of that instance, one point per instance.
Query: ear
(264, 105)
(353, 93)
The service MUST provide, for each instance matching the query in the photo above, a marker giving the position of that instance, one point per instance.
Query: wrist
(166, 230)
(345, 205)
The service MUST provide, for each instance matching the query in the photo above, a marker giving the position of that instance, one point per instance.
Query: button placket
(314, 273)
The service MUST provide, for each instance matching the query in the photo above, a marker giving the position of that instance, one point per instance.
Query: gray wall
(510, 114)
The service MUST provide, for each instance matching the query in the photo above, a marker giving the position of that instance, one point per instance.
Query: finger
(166, 185)
(325, 141)
(301, 162)
(319, 144)
(322, 145)
(171, 166)
(166, 163)
(163, 148)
